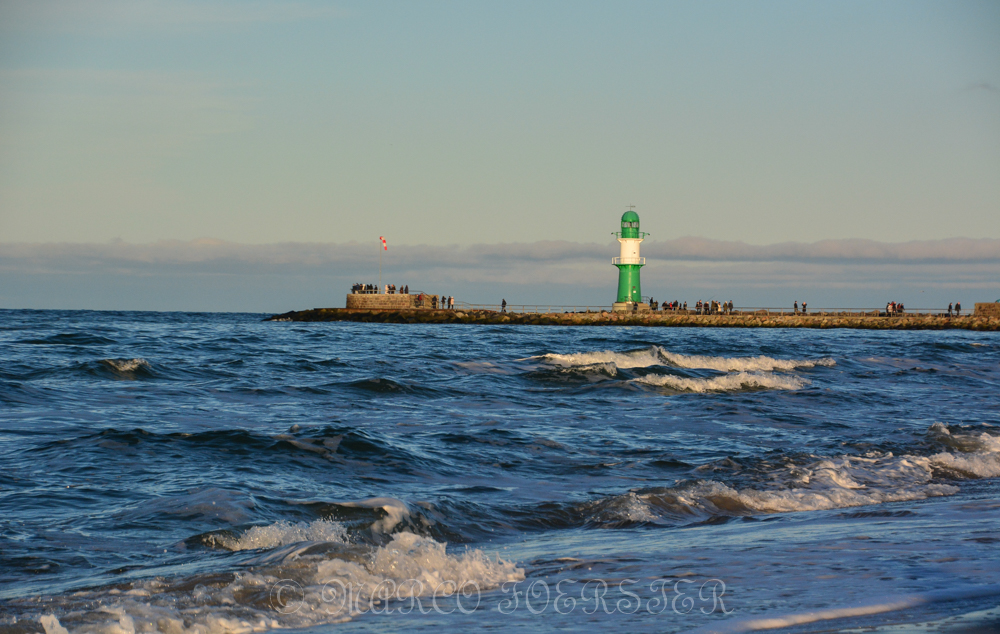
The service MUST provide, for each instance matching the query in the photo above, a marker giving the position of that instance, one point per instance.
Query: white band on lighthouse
(630, 252)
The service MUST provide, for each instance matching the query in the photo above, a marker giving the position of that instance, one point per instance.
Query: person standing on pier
(949, 309)
(503, 305)
(958, 309)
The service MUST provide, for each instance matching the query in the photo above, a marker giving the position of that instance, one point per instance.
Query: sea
(215, 472)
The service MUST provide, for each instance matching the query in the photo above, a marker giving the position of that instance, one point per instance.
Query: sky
(465, 126)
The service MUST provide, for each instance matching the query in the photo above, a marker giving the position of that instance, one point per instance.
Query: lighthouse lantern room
(629, 263)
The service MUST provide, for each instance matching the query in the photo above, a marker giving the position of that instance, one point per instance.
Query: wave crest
(283, 533)
(809, 483)
(725, 383)
(126, 368)
(408, 567)
(742, 364)
(657, 355)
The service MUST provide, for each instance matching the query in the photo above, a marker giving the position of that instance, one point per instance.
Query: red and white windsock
(384, 246)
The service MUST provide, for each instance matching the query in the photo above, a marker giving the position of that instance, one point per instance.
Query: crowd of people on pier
(673, 306)
(372, 289)
(710, 307)
(713, 307)
(443, 302)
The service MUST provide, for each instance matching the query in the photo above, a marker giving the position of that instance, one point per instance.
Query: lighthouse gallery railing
(621, 260)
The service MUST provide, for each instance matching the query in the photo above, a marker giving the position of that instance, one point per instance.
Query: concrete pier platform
(400, 301)
(608, 318)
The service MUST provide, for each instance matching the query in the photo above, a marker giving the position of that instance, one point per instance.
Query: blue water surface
(192, 472)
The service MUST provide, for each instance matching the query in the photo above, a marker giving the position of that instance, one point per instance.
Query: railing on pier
(837, 312)
(737, 310)
(532, 308)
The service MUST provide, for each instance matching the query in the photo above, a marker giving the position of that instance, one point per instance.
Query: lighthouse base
(629, 307)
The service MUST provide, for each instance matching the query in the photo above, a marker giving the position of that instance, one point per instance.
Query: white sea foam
(656, 355)
(282, 533)
(125, 366)
(978, 454)
(52, 625)
(409, 567)
(412, 557)
(823, 484)
(593, 371)
(725, 382)
(965, 442)
(628, 508)
(844, 483)
(741, 364)
(635, 359)
(833, 486)
(396, 511)
(978, 465)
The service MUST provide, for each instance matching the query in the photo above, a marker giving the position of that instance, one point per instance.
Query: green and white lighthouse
(629, 263)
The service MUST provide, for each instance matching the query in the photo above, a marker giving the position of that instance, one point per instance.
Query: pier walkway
(869, 319)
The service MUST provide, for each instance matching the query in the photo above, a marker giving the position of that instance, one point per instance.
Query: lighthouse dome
(630, 224)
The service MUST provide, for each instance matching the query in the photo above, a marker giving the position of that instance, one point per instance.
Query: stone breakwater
(817, 320)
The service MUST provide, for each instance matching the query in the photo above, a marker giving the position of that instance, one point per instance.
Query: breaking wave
(656, 355)
(810, 484)
(126, 368)
(739, 373)
(725, 382)
(591, 372)
(978, 454)
(742, 364)
(283, 533)
(300, 586)
(396, 511)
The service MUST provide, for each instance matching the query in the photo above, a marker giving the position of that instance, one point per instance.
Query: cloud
(209, 274)
(212, 255)
(923, 251)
